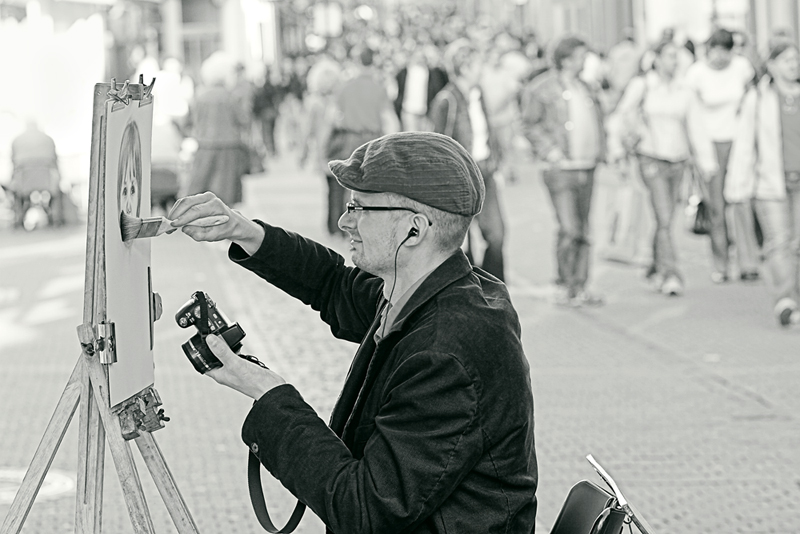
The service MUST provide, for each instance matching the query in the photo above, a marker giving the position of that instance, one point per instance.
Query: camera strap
(254, 464)
(202, 327)
(260, 504)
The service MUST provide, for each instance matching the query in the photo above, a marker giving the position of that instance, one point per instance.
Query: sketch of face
(129, 177)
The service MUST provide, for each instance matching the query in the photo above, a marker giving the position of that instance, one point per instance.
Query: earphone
(411, 233)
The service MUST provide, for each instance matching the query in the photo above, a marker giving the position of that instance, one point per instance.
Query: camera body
(196, 349)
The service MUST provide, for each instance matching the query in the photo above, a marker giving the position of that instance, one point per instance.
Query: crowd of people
(667, 123)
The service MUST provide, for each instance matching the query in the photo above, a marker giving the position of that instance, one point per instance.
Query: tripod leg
(120, 452)
(91, 463)
(165, 483)
(45, 453)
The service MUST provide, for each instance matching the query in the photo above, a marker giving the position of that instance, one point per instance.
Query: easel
(87, 387)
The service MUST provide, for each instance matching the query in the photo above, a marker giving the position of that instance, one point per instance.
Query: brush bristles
(130, 226)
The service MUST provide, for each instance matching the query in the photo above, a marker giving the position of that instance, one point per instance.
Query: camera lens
(200, 355)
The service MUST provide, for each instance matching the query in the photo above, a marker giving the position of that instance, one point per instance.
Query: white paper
(128, 134)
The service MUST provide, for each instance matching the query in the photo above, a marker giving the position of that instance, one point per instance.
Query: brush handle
(213, 220)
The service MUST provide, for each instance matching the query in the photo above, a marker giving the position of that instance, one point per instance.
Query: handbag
(590, 509)
(702, 219)
(702, 223)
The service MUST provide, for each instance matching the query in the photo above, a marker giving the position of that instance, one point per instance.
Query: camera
(193, 313)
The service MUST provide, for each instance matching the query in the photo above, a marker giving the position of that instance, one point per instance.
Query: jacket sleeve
(346, 297)
(535, 124)
(442, 114)
(424, 441)
(740, 181)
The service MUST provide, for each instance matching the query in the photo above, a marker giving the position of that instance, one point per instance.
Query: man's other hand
(239, 229)
(239, 374)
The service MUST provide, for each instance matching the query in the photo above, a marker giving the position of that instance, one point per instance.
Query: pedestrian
(362, 112)
(266, 104)
(500, 84)
(765, 165)
(623, 227)
(458, 111)
(417, 85)
(217, 121)
(659, 126)
(35, 168)
(244, 93)
(324, 80)
(720, 82)
(433, 431)
(563, 121)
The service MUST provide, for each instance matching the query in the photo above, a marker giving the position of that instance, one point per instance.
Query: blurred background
(53, 51)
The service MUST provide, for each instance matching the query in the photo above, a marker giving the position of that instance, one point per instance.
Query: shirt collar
(453, 268)
(391, 311)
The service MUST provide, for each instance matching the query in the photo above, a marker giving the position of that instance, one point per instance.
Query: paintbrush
(136, 228)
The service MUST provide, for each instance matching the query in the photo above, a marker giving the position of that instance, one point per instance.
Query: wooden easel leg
(45, 453)
(120, 452)
(165, 483)
(91, 464)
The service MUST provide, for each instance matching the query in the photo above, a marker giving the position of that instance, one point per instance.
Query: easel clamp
(140, 414)
(99, 340)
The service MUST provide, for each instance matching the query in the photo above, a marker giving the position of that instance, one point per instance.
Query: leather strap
(260, 504)
(202, 326)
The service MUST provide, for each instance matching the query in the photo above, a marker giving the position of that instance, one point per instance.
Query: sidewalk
(690, 403)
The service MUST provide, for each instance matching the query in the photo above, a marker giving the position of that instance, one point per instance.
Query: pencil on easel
(136, 228)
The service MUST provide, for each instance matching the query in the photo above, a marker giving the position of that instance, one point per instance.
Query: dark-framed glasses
(352, 208)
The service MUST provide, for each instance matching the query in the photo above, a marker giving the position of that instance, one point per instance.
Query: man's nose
(346, 221)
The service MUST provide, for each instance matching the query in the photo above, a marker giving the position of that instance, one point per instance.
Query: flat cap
(430, 168)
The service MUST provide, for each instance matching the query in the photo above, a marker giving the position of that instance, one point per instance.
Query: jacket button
(569, 126)
(254, 448)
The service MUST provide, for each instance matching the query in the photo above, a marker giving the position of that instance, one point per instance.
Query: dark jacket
(437, 78)
(545, 114)
(450, 115)
(433, 431)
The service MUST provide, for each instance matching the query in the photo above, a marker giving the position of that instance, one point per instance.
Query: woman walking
(765, 166)
(720, 82)
(656, 122)
(218, 123)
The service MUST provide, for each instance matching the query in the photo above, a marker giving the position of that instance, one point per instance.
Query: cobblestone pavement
(689, 402)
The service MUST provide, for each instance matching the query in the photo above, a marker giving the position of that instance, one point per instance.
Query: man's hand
(241, 375)
(238, 229)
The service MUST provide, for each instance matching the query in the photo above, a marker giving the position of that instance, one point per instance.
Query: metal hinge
(107, 343)
(99, 340)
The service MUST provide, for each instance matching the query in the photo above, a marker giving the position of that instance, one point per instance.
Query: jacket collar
(455, 267)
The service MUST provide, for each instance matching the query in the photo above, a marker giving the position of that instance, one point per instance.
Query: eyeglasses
(352, 208)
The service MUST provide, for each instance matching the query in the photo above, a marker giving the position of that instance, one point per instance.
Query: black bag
(589, 509)
(701, 224)
(702, 219)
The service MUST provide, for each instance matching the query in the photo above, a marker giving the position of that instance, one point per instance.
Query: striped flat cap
(430, 168)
